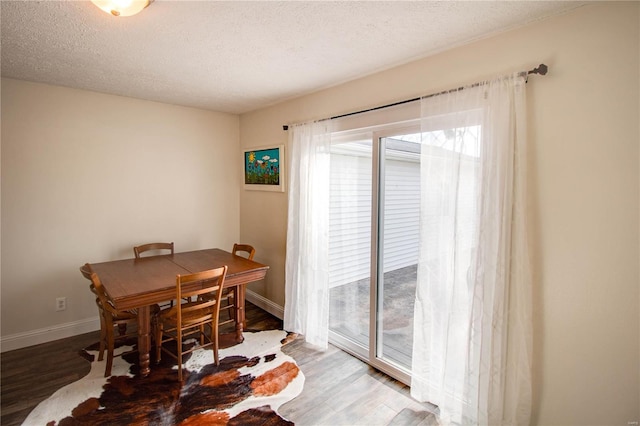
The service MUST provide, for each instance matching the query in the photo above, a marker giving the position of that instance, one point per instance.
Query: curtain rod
(540, 69)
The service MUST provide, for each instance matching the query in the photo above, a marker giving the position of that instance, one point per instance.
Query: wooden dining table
(141, 283)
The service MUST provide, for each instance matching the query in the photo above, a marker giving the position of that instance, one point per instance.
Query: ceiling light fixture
(122, 7)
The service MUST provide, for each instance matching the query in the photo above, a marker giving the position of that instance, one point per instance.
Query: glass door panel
(350, 243)
(398, 233)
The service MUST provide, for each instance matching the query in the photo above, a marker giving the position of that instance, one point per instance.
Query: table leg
(243, 289)
(240, 319)
(144, 339)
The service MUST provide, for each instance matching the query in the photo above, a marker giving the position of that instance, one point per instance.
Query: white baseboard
(44, 335)
(61, 331)
(264, 303)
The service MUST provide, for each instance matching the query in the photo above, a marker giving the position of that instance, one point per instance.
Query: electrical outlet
(61, 303)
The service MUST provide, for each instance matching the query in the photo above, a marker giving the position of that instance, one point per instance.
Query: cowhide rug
(253, 379)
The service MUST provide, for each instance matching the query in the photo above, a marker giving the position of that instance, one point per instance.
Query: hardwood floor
(339, 389)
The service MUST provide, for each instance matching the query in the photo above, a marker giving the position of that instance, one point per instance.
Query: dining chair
(110, 317)
(229, 294)
(189, 319)
(248, 250)
(138, 250)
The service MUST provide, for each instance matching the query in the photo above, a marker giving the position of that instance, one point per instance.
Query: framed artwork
(264, 169)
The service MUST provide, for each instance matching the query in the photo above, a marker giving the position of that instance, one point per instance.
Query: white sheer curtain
(472, 324)
(306, 309)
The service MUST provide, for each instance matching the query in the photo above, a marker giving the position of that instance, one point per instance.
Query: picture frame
(263, 169)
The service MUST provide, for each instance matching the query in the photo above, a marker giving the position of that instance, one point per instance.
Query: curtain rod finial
(541, 69)
(285, 127)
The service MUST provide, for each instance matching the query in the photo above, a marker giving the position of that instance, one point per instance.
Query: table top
(132, 283)
(201, 260)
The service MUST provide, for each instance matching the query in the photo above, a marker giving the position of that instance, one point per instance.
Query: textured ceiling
(239, 56)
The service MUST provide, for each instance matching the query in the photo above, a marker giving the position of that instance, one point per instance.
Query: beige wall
(584, 188)
(85, 177)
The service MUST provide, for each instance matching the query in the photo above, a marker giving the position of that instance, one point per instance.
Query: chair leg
(122, 329)
(110, 348)
(179, 353)
(214, 338)
(103, 339)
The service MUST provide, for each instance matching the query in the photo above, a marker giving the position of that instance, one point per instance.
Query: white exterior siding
(401, 211)
(350, 213)
(350, 218)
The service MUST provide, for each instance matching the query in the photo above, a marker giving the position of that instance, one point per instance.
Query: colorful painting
(263, 169)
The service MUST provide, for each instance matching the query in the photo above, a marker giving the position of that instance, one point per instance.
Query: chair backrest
(86, 271)
(244, 248)
(138, 250)
(102, 299)
(211, 283)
